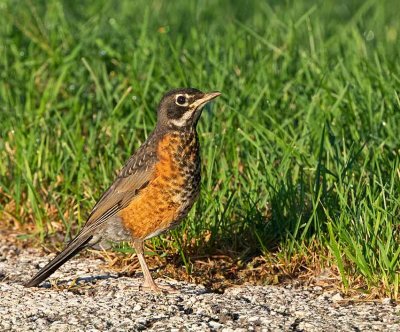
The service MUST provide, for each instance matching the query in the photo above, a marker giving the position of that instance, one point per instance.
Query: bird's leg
(148, 279)
(148, 283)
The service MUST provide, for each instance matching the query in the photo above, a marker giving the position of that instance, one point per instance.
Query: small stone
(322, 297)
(214, 324)
(137, 307)
(254, 319)
(337, 297)
(387, 300)
(300, 314)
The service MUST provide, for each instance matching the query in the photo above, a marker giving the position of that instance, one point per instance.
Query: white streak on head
(185, 117)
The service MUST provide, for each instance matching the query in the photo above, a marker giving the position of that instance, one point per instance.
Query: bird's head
(181, 108)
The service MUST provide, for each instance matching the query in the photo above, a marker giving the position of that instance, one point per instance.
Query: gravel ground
(103, 301)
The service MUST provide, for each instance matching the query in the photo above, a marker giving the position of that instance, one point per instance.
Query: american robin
(154, 190)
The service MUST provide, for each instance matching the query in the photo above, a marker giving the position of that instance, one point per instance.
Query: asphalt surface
(103, 301)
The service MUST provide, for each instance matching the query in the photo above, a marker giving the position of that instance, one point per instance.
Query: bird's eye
(181, 100)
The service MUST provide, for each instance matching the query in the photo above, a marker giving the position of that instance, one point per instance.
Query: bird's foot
(161, 289)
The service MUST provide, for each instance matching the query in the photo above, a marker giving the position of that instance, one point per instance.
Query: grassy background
(301, 153)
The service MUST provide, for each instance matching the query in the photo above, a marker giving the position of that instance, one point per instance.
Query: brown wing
(134, 176)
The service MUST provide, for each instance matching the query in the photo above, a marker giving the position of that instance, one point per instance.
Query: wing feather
(134, 176)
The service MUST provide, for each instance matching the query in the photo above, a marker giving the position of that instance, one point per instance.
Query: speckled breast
(187, 159)
(173, 190)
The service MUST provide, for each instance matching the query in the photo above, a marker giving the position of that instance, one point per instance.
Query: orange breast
(157, 206)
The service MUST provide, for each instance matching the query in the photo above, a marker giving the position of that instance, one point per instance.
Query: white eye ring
(182, 100)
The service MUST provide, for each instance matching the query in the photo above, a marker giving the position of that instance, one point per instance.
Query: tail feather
(74, 247)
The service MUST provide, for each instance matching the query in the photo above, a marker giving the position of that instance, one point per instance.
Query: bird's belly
(171, 193)
(159, 207)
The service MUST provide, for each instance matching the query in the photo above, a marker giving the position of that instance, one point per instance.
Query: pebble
(337, 297)
(387, 300)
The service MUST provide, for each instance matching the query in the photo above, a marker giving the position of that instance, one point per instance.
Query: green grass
(302, 149)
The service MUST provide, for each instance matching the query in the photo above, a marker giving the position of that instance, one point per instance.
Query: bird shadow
(80, 281)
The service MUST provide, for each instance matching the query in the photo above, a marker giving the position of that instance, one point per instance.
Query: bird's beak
(210, 96)
(205, 99)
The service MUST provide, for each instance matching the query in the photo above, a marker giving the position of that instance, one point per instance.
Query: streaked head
(181, 108)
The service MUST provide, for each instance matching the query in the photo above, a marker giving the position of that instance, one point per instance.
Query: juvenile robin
(154, 190)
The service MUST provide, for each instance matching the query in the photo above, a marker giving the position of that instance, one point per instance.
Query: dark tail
(70, 251)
